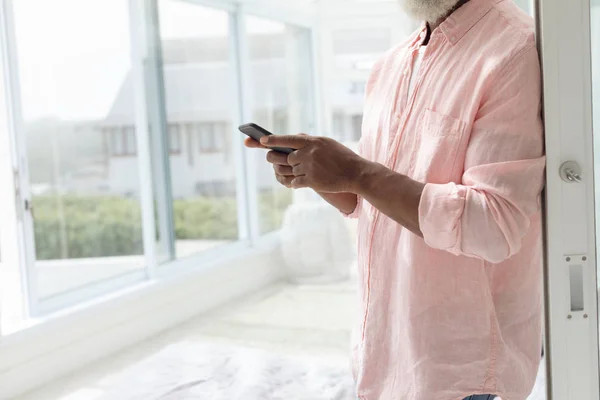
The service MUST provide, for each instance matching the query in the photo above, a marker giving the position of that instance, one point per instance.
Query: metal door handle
(572, 175)
(570, 172)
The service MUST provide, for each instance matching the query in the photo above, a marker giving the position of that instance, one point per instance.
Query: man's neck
(431, 26)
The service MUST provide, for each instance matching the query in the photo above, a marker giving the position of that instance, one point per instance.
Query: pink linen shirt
(458, 312)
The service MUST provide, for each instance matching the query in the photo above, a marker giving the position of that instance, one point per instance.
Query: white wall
(123, 175)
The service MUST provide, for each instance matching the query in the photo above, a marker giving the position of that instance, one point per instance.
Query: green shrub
(272, 207)
(76, 227)
(205, 218)
(70, 226)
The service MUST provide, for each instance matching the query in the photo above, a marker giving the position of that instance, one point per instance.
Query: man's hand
(253, 144)
(283, 170)
(319, 163)
(345, 202)
(339, 176)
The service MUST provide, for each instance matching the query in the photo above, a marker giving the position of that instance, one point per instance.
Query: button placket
(393, 141)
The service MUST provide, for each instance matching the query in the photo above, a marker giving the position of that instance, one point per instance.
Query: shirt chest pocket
(438, 147)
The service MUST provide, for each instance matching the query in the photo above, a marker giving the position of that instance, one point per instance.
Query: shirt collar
(465, 18)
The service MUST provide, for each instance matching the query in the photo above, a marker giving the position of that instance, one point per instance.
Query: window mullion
(247, 199)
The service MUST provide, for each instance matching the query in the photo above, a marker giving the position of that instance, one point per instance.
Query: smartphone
(256, 132)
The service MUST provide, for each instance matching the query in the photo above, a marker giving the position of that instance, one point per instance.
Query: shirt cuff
(354, 214)
(440, 212)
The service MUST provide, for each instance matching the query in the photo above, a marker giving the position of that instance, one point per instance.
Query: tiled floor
(294, 339)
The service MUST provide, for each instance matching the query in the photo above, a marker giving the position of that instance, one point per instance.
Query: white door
(569, 37)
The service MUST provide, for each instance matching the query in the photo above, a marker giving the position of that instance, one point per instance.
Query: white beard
(427, 10)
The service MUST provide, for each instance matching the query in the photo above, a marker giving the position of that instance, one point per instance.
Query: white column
(13, 292)
(246, 185)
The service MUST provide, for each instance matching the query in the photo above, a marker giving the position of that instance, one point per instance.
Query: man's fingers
(277, 158)
(284, 170)
(292, 158)
(285, 180)
(298, 170)
(292, 141)
(253, 144)
(299, 182)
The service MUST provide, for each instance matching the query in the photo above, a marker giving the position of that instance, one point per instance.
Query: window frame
(26, 234)
(14, 249)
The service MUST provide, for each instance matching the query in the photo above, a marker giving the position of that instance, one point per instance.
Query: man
(446, 189)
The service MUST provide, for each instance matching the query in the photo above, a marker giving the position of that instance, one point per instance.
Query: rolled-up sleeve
(488, 213)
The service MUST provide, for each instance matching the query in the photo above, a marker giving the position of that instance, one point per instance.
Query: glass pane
(281, 65)
(197, 82)
(73, 58)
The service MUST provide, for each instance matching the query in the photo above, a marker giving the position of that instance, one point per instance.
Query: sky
(74, 54)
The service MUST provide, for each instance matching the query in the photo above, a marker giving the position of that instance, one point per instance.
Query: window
(116, 142)
(211, 137)
(98, 112)
(130, 141)
(356, 127)
(198, 87)
(280, 60)
(205, 133)
(122, 141)
(174, 133)
(353, 52)
(220, 133)
(357, 88)
(347, 128)
(73, 60)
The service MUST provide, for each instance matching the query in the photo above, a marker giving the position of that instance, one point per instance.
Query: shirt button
(453, 38)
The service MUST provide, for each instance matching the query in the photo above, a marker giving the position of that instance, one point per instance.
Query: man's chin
(427, 10)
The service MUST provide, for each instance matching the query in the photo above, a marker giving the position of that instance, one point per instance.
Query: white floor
(288, 342)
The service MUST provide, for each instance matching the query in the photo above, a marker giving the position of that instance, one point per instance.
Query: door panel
(571, 292)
